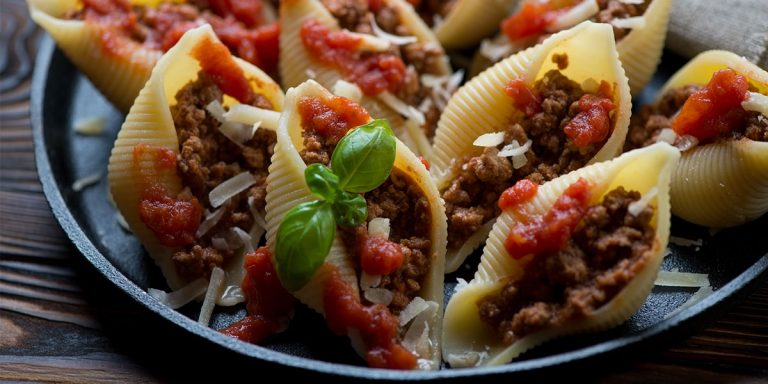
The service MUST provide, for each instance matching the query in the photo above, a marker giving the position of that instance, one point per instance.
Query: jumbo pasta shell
(119, 75)
(639, 51)
(481, 105)
(721, 184)
(470, 21)
(297, 65)
(149, 123)
(287, 188)
(466, 337)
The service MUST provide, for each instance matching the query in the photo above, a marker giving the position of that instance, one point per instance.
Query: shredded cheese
(495, 50)
(636, 207)
(232, 295)
(698, 296)
(394, 39)
(682, 279)
(182, 296)
(379, 227)
(210, 221)
(86, 181)
(575, 15)
(229, 188)
(405, 110)
(629, 23)
(756, 102)
(415, 307)
(216, 110)
(667, 135)
(90, 126)
(250, 115)
(214, 286)
(349, 90)
(685, 242)
(370, 43)
(489, 139)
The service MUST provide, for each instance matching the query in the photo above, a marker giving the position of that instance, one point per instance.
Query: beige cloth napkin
(740, 26)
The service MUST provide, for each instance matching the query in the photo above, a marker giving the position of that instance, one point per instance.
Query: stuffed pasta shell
(115, 43)
(462, 23)
(382, 52)
(639, 28)
(188, 169)
(715, 109)
(537, 115)
(376, 271)
(579, 253)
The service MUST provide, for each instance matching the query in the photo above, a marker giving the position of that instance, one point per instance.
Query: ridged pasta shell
(640, 170)
(297, 66)
(286, 188)
(481, 106)
(639, 51)
(149, 122)
(721, 184)
(118, 77)
(470, 21)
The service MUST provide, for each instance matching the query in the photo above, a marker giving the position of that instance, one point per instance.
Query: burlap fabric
(739, 26)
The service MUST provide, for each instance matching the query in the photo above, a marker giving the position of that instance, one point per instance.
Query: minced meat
(644, 127)
(420, 58)
(607, 249)
(615, 9)
(206, 159)
(471, 198)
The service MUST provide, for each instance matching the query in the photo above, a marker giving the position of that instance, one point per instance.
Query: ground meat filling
(206, 159)
(400, 200)
(419, 58)
(471, 198)
(607, 250)
(615, 9)
(644, 127)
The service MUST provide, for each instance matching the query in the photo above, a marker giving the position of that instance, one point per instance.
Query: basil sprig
(362, 161)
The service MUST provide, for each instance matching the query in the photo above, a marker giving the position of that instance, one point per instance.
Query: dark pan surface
(735, 259)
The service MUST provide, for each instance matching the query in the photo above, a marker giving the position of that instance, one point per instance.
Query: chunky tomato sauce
(238, 23)
(373, 72)
(530, 21)
(716, 108)
(524, 98)
(269, 305)
(517, 194)
(331, 118)
(379, 256)
(550, 232)
(173, 220)
(593, 122)
(376, 324)
(216, 61)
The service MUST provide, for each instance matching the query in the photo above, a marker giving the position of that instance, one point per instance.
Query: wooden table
(61, 321)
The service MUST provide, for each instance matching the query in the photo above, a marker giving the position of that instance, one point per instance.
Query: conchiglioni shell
(119, 78)
(470, 21)
(149, 122)
(721, 184)
(640, 170)
(286, 188)
(297, 65)
(639, 51)
(481, 105)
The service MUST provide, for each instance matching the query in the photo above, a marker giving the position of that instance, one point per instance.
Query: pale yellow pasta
(721, 184)
(286, 188)
(481, 106)
(296, 64)
(149, 123)
(639, 50)
(464, 333)
(471, 20)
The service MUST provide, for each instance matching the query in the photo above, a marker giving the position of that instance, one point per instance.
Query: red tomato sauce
(331, 118)
(238, 23)
(174, 221)
(593, 122)
(379, 256)
(524, 190)
(373, 72)
(377, 325)
(715, 109)
(424, 162)
(550, 232)
(269, 305)
(524, 98)
(216, 61)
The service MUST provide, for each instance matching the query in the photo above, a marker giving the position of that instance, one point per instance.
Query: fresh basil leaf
(303, 241)
(350, 209)
(322, 181)
(364, 157)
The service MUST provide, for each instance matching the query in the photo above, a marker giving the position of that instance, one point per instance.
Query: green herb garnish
(362, 161)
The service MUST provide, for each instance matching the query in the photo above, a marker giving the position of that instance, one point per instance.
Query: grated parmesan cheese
(629, 23)
(394, 39)
(405, 110)
(86, 181)
(250, 115)
(667, 135)
(182, 296)
(700, 294)
(756, 102)
(682, 279)
(685, 242)
(214, 286)
(636, 207)
(489, 139)
(229, 188)
(497, 49)
(90, 126)
(574, 15)
(349, 90)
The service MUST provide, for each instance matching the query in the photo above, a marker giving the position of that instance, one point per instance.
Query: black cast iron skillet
(735, 259)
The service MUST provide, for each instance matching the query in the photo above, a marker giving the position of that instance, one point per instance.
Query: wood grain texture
(60, 321)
